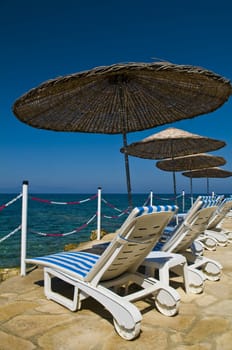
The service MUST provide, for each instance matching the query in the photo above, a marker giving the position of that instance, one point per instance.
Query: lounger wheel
(196, 281)
(127, 334)
(210, 243)
(212, 271)
(229, 235)
(166, 303)
(196, 289)
(197, 247)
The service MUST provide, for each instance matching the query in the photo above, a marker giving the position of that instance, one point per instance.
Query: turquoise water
(53, 225)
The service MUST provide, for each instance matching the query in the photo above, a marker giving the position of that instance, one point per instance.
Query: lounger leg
(193, 279)
(182, 270)
(72, 304)
(209, 242)
(166, 298)
(163, 270)
(210, 268)
(127, 318)
(219, 237)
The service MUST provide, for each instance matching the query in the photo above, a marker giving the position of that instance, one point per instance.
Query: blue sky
(45, 39)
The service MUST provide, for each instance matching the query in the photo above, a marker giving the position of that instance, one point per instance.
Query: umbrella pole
(174, 184)
(173, 173)
(191, 189)
(126, 158)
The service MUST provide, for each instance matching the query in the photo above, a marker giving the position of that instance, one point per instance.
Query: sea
(57, 220)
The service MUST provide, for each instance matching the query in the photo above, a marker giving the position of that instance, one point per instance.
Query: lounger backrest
(220, 213)
(209, 201)
(132, 244)
(188, 232)
(139, 211)
(194, 208)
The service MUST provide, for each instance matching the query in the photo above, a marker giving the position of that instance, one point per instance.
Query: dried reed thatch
(196, 161)
(209, 173)
(123, 98)
(172, 142)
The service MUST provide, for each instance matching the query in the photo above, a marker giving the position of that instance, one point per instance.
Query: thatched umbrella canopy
(215, 172)
(171, 143)
(195, 161)
(123, 98)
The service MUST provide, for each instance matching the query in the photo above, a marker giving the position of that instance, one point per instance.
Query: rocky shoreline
(8, 272)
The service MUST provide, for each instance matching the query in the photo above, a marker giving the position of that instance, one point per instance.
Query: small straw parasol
(123, 98)
(215, 172)
(171, 143)
(196, 161)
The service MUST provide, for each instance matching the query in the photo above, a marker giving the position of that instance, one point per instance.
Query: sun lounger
(93, 275)
(207, 241)
(214, 229)
(183, 237)
(164, 262)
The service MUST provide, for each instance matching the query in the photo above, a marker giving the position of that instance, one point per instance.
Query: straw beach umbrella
(123, 98)
(215, 172)
(196, 161)
(171, 143)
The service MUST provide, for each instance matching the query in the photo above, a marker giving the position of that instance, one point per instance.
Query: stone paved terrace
(29, 321)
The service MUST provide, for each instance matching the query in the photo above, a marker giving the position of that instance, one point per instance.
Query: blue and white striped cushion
(209, 202)
(79, 263)
(156, 208)
(159, 245)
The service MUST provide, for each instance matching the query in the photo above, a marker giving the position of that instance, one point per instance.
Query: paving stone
(76, 337)
(176, 338)
(177, 323)
(9, 295)
(34, 294)
(80, 334)
(218, 290)
(203, 346)
(206, 300)
(205, 328)
(27, 326)
(224, 342)
(189, 308)
(51, 308)
(153, 338)
(3, 301)
(222, 308)
(10, 342)
(10, 310)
